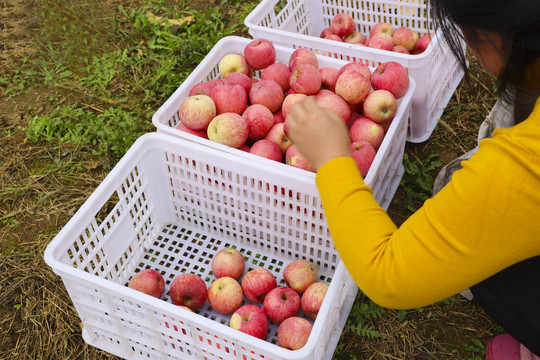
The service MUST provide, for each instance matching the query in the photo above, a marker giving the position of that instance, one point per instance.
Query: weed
(363, 309)
(417, 181)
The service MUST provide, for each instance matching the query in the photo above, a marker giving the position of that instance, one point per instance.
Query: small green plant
(477, 348)
(417, 181)
(363, 309)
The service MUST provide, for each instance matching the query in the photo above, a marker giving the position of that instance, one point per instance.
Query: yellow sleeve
(484, 220)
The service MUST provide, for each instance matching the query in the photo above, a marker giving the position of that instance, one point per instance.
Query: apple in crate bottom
(333, 37)
(364, 129)
(257, 283)
(228, 262)
(148, 281)
(363, 154)
(250, 319)
(293, 333)
(225, 295)
(197, 111)
(188, 290)
(305, 79)
(326, 31)
(281, 303)
(312, 299)
(380, 106)
(391, 76)
(228, 129)
(277, 135)
(355, 38)
(329, 76)
(401, 49)
(357, 66)
(300, 274)
(295, 158)
(267, 149)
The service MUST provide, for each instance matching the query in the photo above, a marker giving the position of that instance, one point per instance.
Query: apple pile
(381, 36)
(266, 301)
(250, 114)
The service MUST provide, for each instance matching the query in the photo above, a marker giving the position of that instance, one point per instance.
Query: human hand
(319, 134)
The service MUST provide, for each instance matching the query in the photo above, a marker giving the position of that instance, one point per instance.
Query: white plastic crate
(436, 71)
(171, 204)
(385, 172)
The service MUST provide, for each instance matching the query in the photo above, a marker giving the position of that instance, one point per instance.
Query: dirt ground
(37, 318)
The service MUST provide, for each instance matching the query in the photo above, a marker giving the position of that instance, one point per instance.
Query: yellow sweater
(486, 219)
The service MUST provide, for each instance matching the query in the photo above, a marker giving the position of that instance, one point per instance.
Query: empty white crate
(171, 204)
(385, 172)
(299, 24)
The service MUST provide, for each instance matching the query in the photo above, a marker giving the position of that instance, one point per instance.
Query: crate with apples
(180, 253)
(359, 31)
(252, 297)
(237, 100)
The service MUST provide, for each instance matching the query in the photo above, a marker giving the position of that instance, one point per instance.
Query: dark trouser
(512, 298)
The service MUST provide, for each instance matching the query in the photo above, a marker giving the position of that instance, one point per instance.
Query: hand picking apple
(319, 133)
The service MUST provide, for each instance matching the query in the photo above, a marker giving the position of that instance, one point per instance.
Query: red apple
(355, 38)
(323, 93)
(356, 66)
(197, 111)
(337, 104)
(259, 54)
(364, 129)
(268, 93)
(342, 24)
(404, 36)
(250, 319)
(228, 262)
(305, 79)
(277, 135)
(422, 44)
(148, 281)
(257, 283)
(279, 72)
(267, 149)
(203, 88)
(381, 28)
(199, 133)
(188, 290)
(326, 31)
(329, 76)
(293, 333)
(225, 295)
(281, 303)
(289, 101)
(363, 154)
(380, 106)
(229, 129)
(391, 76)
(312, 299)
(381, 41)
(233, 63)
(259, 119)
(333, 37)
(353, 87)
(400, 49)
(229, 98)
(241, 79)
(301, 56)
(300, 274)
(278, 116)
(294, 158)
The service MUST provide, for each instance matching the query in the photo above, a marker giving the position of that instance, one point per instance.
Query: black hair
(516, 21)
